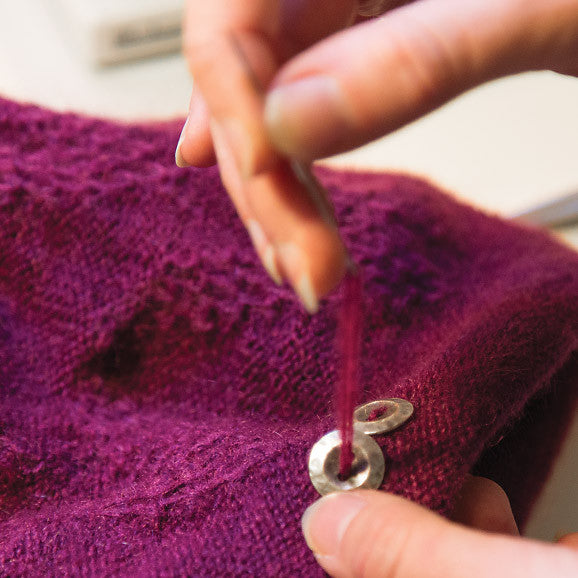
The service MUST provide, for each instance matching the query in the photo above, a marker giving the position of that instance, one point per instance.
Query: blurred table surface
(504, 147)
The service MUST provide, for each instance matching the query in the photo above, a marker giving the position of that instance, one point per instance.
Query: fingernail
(325, 522)
(179, 159)
(240, 146)
(264, 249)
(306, 293)
(291, 261)
(296, 111)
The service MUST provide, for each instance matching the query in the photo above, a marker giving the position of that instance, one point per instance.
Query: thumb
(372, 534)
(373, 78)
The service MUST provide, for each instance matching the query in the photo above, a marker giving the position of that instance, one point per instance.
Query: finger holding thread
(292, 210)
(237, 192)
(309, 252)
(292, 241)
(268, 32)
(231, 96)
(294, 234)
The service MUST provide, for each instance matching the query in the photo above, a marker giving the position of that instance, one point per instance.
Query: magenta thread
(349, 337)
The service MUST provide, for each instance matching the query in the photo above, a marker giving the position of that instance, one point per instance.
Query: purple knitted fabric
(160, 395)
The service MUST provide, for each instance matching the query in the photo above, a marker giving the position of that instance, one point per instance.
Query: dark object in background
(560, 212)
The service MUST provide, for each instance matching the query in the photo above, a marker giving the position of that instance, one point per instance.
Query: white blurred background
(504, 147)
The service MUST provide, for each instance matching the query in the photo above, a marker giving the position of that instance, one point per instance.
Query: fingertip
(264, 250)
(195, 145)
(179, 158)
(308, 251)
(279, 130)
(194, 151)
(325, 522)
(361, 532)
(484, 505)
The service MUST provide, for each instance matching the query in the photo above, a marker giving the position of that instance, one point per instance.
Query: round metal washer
(368, 466)
(396, 413)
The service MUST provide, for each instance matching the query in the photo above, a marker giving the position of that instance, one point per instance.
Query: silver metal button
(392, 413)
(367, 470)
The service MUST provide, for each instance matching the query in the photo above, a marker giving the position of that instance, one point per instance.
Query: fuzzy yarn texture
(160, 395)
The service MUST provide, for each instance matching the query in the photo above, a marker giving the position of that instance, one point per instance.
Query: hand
(315, 86)
(372, 534)
(234, 49)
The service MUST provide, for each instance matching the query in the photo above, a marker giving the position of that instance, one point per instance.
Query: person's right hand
(234, 49)
(322, 86)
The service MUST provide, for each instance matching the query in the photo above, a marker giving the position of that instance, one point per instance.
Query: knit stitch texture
(160, 395)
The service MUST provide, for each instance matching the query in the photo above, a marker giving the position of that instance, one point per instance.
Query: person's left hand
(370, 534)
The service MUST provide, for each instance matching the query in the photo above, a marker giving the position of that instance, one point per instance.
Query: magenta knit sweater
(159, 395)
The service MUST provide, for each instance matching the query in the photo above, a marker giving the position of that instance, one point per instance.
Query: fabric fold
(160, 395)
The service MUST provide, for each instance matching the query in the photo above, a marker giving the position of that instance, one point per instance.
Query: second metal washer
(393, 412)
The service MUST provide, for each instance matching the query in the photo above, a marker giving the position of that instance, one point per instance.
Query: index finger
(267, 33)
(215, 33)
(234, 49)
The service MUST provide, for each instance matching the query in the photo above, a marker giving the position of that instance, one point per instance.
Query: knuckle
(430, 64)
(200, 55)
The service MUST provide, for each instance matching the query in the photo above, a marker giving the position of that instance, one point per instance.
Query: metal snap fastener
(391, 413)
(367, 470)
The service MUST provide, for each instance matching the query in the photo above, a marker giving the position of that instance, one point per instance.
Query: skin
(310, 79)
(304, 79)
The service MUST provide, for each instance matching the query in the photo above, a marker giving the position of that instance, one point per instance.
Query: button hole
(377, 413)
(358, 465)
